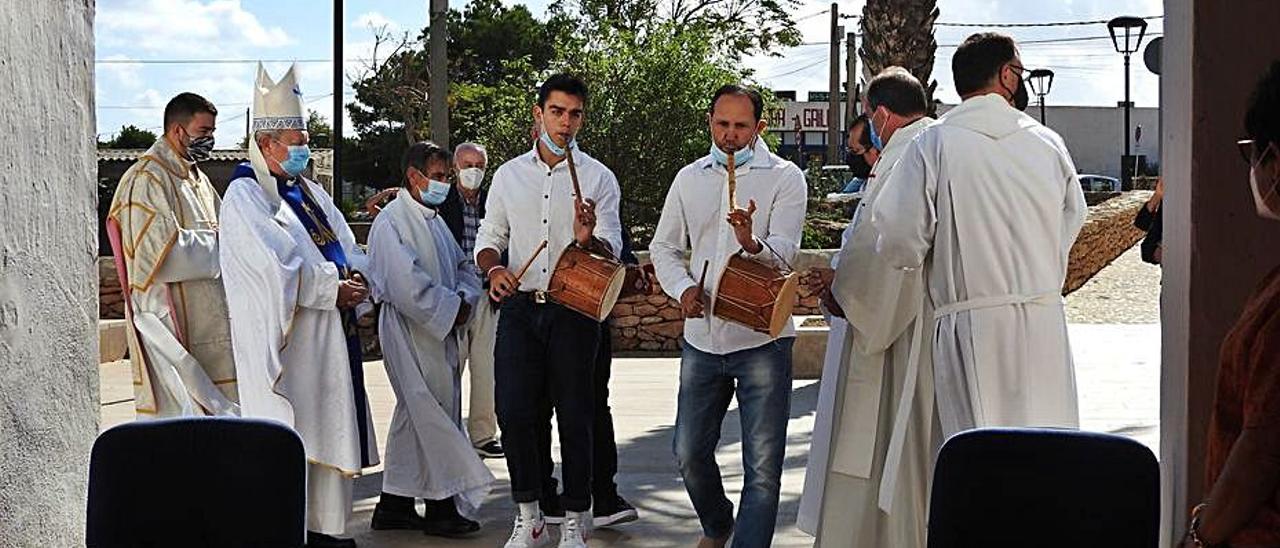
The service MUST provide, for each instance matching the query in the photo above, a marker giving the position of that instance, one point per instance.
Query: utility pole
(851, 79)
(338, 68)
(833, 100)
(247, 136)
(438, 62)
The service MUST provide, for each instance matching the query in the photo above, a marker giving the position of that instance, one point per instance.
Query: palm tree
(900, 33)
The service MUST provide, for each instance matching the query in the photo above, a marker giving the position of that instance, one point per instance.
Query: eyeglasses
(1253, 151)
(1021, 70)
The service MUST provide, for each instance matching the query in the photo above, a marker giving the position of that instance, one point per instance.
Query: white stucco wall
(1095, 135)
(48, 277)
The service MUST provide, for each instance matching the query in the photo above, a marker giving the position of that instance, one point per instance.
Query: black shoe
(443, 520)
(613, 511)
(318, 540)
(490, 450)
(395, 512)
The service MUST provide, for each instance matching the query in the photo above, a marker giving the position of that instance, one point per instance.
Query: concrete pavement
(1117, 370)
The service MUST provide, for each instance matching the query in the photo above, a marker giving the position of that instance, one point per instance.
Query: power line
(812, 15)
(1021, 43)
(224, 105)
(207, 61)
(236, 117)
(1037, 25)
(790, 72)
(1055, 40)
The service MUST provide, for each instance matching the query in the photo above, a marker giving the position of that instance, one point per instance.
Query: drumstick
(702, 281)
(733, 185)
(529, 262)
(573, 171)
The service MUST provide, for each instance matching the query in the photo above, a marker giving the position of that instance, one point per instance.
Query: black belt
(536, 297)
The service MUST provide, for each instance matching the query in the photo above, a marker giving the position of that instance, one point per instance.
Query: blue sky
(1088, 72)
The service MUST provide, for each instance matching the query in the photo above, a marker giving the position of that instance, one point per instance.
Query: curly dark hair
(1262, 120)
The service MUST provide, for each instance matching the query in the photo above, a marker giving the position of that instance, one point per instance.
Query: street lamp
(1123, 37)
(1041, 82)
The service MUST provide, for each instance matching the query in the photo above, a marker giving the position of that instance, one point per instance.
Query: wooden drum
(756, 295)
(586, 282)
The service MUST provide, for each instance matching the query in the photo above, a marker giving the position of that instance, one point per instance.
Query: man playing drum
(721, 358)
(544, 350)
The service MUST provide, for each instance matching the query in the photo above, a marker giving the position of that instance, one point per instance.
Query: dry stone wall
(654, 323)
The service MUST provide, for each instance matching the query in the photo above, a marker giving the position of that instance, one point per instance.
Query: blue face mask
(435, 193)
(873, 134)
(297, 160)
(741, 157)
(555, 149)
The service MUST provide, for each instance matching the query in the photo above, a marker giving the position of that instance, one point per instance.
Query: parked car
(1099, 183)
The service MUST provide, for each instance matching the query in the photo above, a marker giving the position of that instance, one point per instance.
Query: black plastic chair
(196, 482)
(1044, 488)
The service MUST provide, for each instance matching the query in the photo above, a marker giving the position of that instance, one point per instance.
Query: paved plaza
(1117, 356)
(1117, 372)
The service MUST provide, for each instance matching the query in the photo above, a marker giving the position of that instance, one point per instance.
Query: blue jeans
(761, 378)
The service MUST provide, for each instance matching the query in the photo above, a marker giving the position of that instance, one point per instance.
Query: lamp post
(339, 21)
(1041, 82)
(1126, 35)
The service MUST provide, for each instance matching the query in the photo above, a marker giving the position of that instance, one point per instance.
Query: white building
(1094, 135)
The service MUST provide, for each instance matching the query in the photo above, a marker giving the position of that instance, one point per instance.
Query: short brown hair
(978, 60)
(184, 106)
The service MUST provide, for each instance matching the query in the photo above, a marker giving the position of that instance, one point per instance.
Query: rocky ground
(1125, 292)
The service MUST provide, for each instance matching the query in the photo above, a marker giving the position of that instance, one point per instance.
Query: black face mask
(857, 164)
(1020, 97)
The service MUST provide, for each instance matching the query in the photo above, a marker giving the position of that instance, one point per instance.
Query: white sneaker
(575, 530)
(530, 529)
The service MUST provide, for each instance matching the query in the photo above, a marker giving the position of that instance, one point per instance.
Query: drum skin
(586, 283)
(756, 295)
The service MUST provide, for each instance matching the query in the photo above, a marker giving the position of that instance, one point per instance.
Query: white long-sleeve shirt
(530, 202)
(694, 215)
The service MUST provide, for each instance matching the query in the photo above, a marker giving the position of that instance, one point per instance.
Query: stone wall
(653, 322)
(48, 314)
(1107, 233)
(110, 300)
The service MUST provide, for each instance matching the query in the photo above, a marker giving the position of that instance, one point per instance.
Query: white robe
(166, 214)
(422, 277)
(873, 445)
(987, 200)
(286, 330)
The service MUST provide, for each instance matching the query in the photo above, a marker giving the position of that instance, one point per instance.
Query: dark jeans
(545, 353)
(604, 448)
(761, 379)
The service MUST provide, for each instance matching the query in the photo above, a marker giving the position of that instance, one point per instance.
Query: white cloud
(128, 75)
(184, 26)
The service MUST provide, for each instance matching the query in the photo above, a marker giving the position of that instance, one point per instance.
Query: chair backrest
(1044, 487)
(197, 482)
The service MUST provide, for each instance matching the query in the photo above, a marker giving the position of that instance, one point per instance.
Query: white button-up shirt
(530, 202)
(694, 214)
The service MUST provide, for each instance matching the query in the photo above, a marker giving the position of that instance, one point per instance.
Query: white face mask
(1265, 210)
(471, 178)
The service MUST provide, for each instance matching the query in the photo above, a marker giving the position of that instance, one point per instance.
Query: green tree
(130, 136)
(319, 131)
(734, 27)
(647, 114)
(651, 73)
(497, 55)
